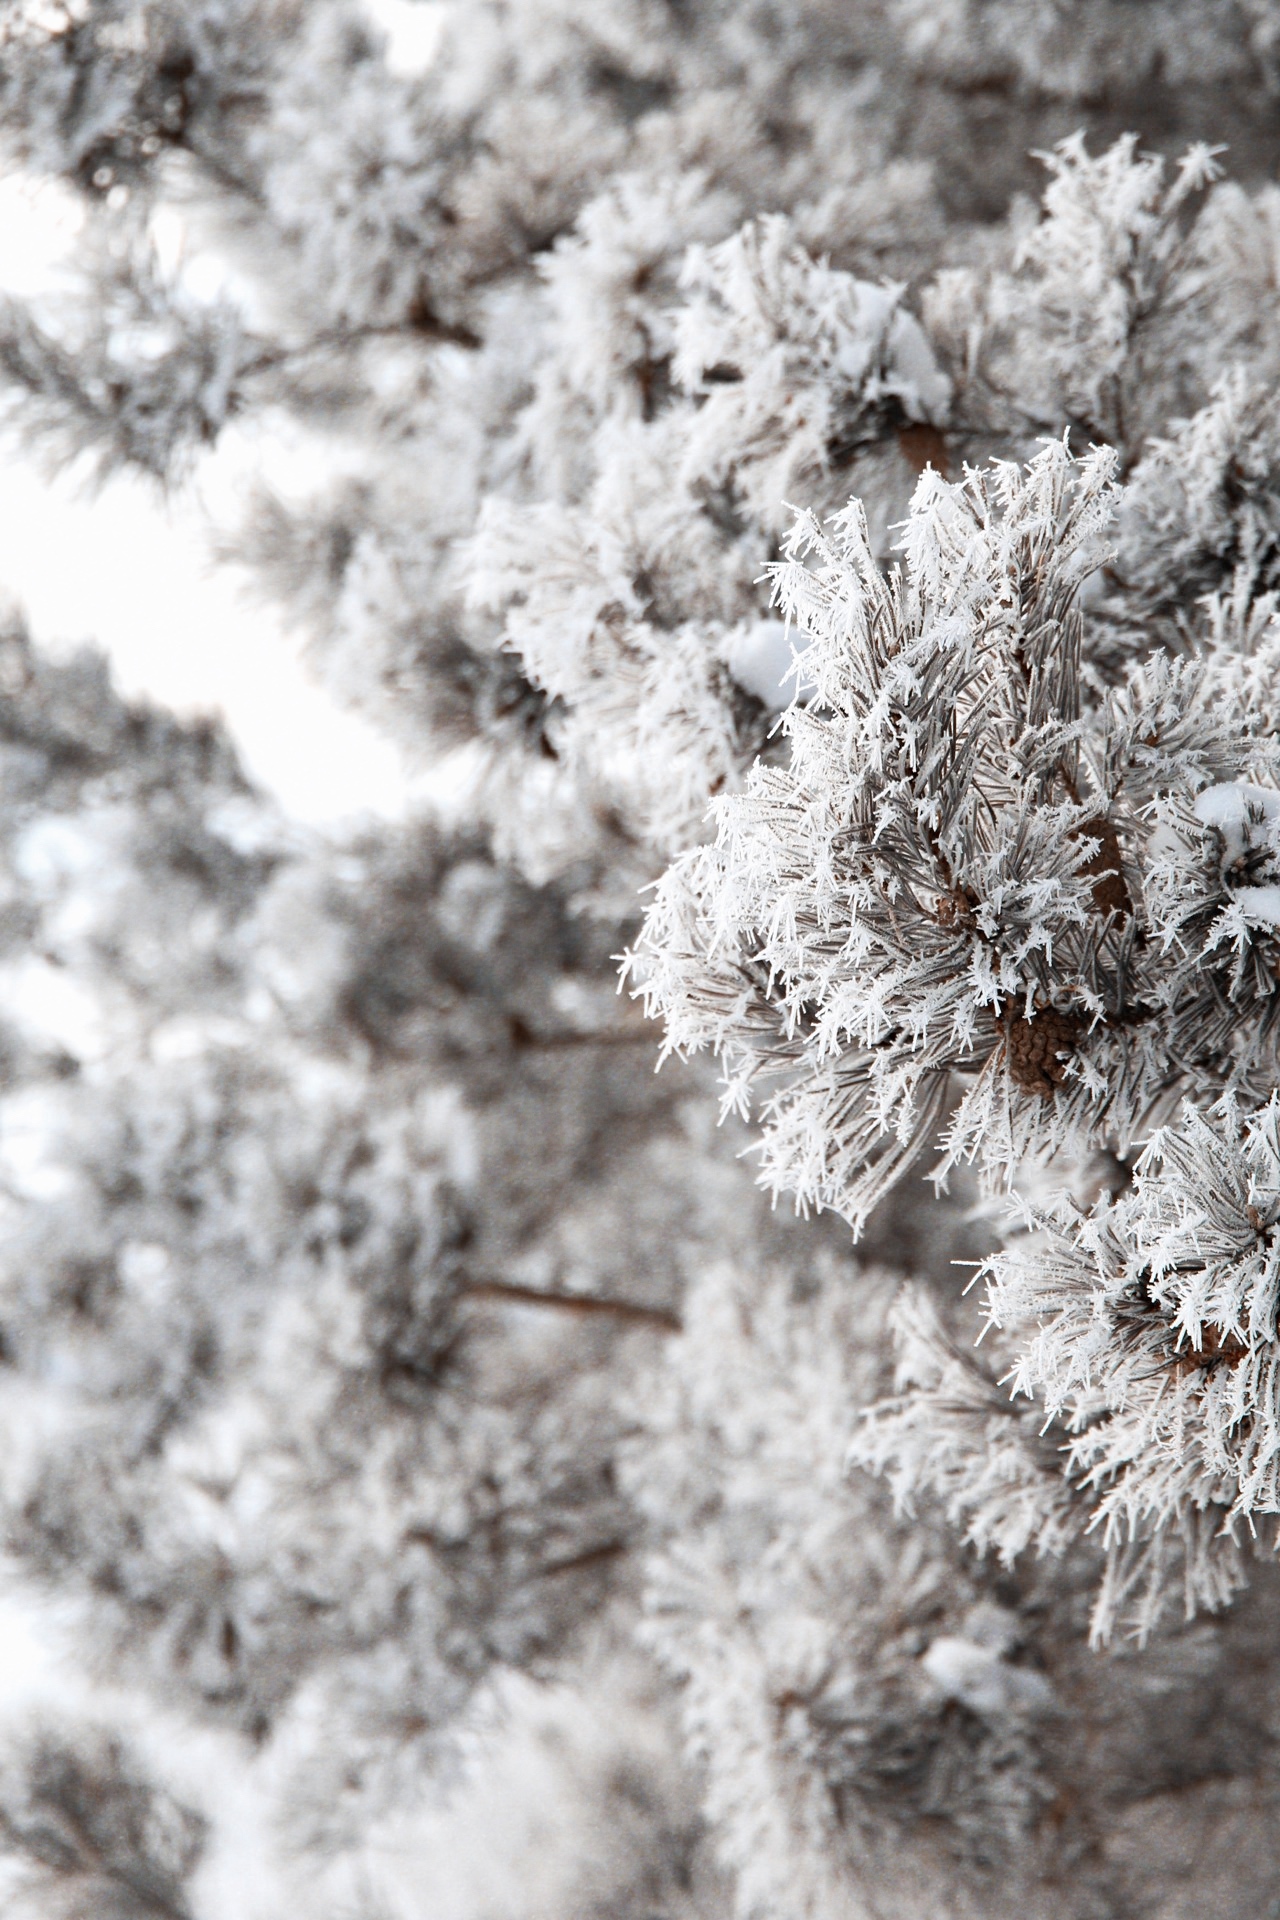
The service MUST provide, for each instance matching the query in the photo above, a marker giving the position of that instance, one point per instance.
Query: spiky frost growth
(998, 1478)
(635, 613)
(1202, 510)
(1143, 1363)
(966, 871)
(770, 376)
(798, 368)
(1118, 308)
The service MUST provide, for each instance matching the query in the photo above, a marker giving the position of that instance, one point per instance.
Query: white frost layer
(1259, 903)
(923, 387)
(763, 660)
(1245, 816)
(979, 1679)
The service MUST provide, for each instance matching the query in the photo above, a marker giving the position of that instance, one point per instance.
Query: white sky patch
(27, 1660)
(131, 571)
(49, 1003)
(412, 28)
(39, 223)
(29, 1122)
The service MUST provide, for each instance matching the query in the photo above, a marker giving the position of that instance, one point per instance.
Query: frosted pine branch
(972, 891)
(1144, 1369)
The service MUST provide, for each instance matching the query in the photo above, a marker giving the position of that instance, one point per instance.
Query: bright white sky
(127, 570)
(412, 29)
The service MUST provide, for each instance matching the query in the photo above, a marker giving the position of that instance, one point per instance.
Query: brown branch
(923, 446)
(589, 1557)
(633, 1035)
(580, 1304)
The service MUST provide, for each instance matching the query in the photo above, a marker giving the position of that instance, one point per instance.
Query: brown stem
(589, 1557)
(579, 1304)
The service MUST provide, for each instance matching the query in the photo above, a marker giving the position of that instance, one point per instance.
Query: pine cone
(955, 908)
(1216, 1349)
(1034, 1048)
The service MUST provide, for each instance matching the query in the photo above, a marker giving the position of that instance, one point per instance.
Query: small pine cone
(1034, 1048)
(1216, 1349)
(955, 909)
(1110, 894)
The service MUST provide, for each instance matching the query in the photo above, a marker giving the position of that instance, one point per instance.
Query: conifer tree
(832, 547)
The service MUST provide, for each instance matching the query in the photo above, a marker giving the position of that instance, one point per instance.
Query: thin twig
(580, 1304)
